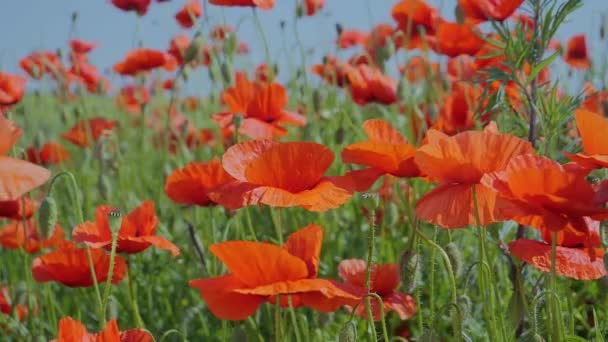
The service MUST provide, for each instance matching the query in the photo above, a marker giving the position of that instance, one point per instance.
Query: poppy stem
(457, 323)
(108, 287)
(279, 226)
(554, 306)
(368, 273)
(76, 203)
(277, 319)
(294, 318)
(260, 28)
(133, 300)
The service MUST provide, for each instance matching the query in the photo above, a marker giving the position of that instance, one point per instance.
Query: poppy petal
(18, 177)
(380, 130)
(592, 127)
(190, 184)
(403, 304)
(218, 293)
(569, 262)
(258, 263)
(70, 330)
(306, 245)
(237, 158)
(258, 129)
(352, 271)
(136, 335)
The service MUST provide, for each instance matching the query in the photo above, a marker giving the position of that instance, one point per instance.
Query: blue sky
(27, 25)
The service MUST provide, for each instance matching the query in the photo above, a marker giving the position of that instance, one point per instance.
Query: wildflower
(51, 153)
(576, 54)
(592, 127)
(12, 88)
(79, 133)
(186, 16)
(71, 330)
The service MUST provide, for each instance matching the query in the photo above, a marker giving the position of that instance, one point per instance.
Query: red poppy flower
(262, 105)
(262, 73)
(418, 68)
(69, 266)
(71, 330)
(81, 47)
(136, 233)
(7, 306)
(41, 63)
(592, 127)
(188, 14)
(282, 175)
(51, 153)
(483, 10)
(545, 195)
(17, 177)
(313, 6)
(139, 6)
(178, 46)
(143, 60)
(86, 74)
(350, 38)
(332, 71)
(596, 100)
(457, 111)
(220, 32)
(576, 54)
(415, 18)
(79, 133)
(19, 209)
(132, 97)
(386, 150)
(260, 271)
(576, 256)
(454, 39)
(24, 234)
(263, 4)
(12, 88)
(385, 280)
(242, 48)
(458, 163)
(191, 184)
(368, 84)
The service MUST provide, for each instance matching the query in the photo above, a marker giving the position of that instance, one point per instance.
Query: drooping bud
(453, 252)
(194, 49)
(465, 304)
(47, 215)
(348, 333)
(410, 270)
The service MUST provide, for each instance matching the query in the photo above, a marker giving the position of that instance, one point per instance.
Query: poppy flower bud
(300, 11)
(465, 304)
(459, 14)
(237, 121)
(339, 28)
(47, 215)
(348, 333)
(282, 24)
(316, 100)
(455, 257)
(226, 71)
(74, 16)
(410, 270)
(194, 49)
(104, 187)
(115, 220)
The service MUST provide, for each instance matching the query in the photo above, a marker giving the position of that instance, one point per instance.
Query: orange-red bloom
(132, 97)
(313, 6)
(482, 10)
(332, 71)
(260, 271)
(458, 108)
(41, 63)
(191, 184)
(418, 68)
(143, 60)
(81, 47)
(51, 153)
(188, 14)
(458, 163)
(24, 234)
(593, 129)
(21, 208)
(9, 307)
(454, 39)
(262, 105)
(282, 174)
(350, 38)
(12, 88)
(137, 231)
(576, 54)
(71, 330)
(139, 6)
(415, 18)
(368, 84)
(577, 256)
(385, 280)
(87, 132)
(17, 177)
(386, 150)
(545, 195)
(69, 266)
(263, 4)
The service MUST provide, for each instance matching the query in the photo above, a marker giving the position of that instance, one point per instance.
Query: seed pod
(348, 333)
(115, 220)
(410, 270)
(455, 257)
(47, 215)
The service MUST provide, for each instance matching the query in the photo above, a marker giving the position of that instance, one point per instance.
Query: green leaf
(538, 68)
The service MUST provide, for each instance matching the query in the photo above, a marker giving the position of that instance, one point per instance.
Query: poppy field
(441, 176)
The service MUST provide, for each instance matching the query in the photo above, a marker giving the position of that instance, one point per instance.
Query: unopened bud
(453, 252)
(339, 28)
(317, 100)
(348, 333)
(47, 215)
(194, 49)
(226, 71)
(459, 14)
(465, 304)
(410, 270)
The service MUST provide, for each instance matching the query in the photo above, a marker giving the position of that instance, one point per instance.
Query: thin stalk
(108, 287)
(554, 307)
(260, 28)
(368, 273)
(294, 319)
(382, 318)
(277, 319)
(133, 300)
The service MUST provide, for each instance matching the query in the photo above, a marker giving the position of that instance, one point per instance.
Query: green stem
(554, 307)
(382, 319)
(277, 319)
(260, 28)
(432, 283)
(294, 319)
(108, 287)
(368, 274)
(133, 300)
